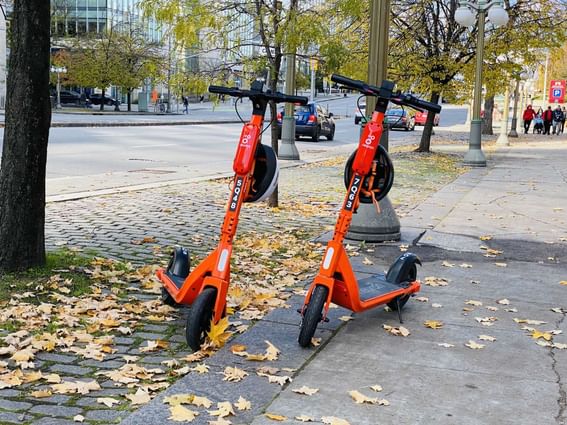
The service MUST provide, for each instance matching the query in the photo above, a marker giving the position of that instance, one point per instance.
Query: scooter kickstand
(399, 310)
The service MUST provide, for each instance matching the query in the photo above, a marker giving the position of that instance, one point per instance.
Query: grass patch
(66, 263)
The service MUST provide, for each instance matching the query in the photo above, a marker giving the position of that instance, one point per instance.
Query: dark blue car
(311, 120)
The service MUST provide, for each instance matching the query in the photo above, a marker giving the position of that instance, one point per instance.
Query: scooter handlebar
(231, 91)
(398, 99)
(276, 97)
(414, 102)
(358, 85)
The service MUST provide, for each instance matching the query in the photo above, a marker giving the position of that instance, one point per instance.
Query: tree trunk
(487, 120)
(273, 201)
(425, 142)
(129, 100)
(24, 156)
(102, 99)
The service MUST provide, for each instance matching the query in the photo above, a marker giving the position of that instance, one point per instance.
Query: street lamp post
(58, 70)
(464, 16)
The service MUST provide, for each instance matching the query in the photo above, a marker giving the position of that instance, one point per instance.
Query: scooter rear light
(312, 119)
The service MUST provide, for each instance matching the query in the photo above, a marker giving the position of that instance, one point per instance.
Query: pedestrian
(185, 105)
(528, 116)
(563, 120)
(538, 122)
(547, 120)
(558, 117)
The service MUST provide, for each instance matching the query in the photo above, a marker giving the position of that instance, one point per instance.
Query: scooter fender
(180, 263)
(399, 271)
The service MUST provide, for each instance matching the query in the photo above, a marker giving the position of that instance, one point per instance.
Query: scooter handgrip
(348, 82)
(231, 91)
(422, 104)
(302, 100)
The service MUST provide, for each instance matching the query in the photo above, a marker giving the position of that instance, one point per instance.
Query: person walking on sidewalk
(547, 119)
(563, 120)
(558, 117)
(185, 105)
(528, 116)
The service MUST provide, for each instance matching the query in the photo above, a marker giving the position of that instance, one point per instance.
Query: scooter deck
(178, 280)
(375, 286)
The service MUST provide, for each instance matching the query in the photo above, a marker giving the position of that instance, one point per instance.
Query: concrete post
(513, 132)
(288, 150)
(367, 224)
(503, 137)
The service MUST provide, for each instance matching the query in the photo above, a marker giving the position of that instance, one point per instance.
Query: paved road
(104, 158)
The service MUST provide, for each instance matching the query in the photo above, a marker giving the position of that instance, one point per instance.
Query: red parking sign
(557, 91)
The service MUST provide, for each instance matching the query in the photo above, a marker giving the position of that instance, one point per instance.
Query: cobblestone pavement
(139, 227)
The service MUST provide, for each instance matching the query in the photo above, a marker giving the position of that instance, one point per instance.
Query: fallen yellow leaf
(41, 393)
(433, 324)
(218, 335)
(180, 413)
(538, 334)
(486, 338)
(474, 346)
(107, 401)
(243, 404)
(275, 417)
(139, 397)
(305, 390)
(332, 420)
(233, 374)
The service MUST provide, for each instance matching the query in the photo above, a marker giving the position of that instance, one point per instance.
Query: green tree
(266, 27)
(24, 155)
(95, 62)
(135, 59)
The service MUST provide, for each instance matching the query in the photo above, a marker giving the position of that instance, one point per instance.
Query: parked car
(96, 99)
(360, 111)
(421, 117)
(399, 118)
(67, 96)
(311, 120)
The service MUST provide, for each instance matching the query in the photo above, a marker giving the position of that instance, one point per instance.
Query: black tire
(411, 276)
(312, 315)
(199, 318)
(166, 298)
(356, 120)
(331, 135)
(317, 134)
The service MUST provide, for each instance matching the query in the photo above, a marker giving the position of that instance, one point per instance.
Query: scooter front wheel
(199, 319)
(166, 298)
(312, 315)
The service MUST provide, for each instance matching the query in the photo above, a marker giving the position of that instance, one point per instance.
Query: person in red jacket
(528, 116)
(547, 120)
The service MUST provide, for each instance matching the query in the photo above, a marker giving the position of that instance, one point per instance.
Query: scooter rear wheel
(401, 301)
(199, 319)
(312, 315)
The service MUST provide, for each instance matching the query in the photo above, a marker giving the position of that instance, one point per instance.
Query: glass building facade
(79, 17)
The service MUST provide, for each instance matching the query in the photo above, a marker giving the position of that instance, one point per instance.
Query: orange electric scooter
(369, 175)
(256, 175)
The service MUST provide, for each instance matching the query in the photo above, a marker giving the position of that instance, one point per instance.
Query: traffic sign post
(557, 91)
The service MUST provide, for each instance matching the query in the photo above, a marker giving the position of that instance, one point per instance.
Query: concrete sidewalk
(518, 205)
